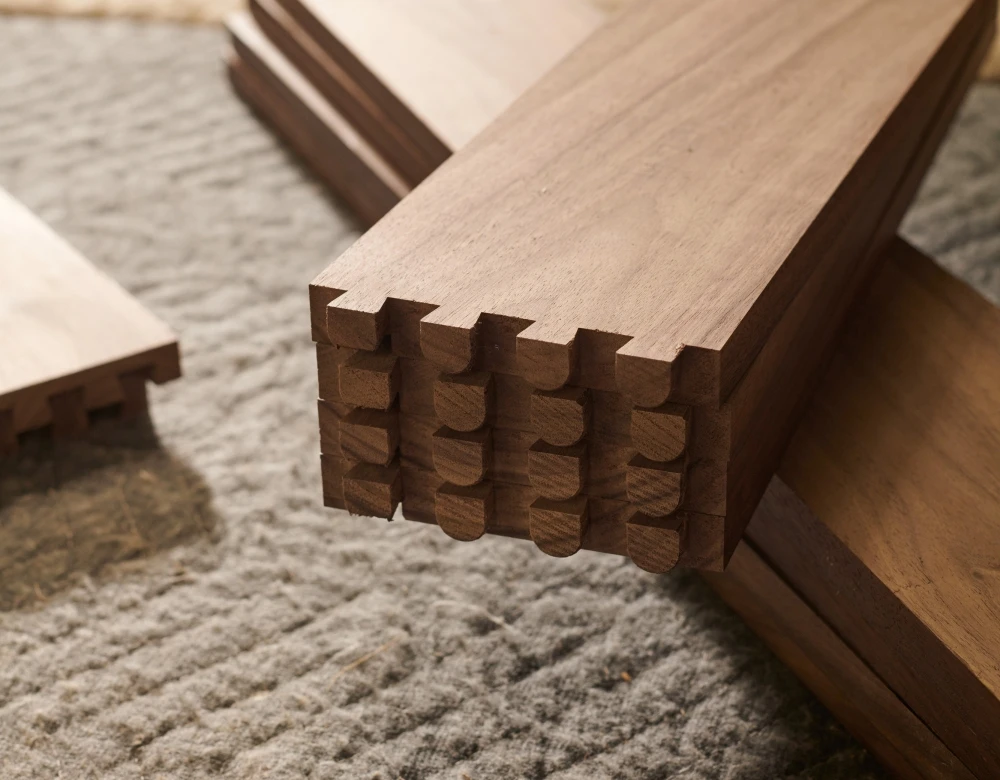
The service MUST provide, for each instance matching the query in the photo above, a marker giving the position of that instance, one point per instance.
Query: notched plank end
(464, 513)
(558, 527)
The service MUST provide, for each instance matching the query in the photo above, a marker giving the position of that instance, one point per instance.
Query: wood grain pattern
(533, 206)
(71, 340)
(887, 162)
(889, 523)
(831, 669)
(428, 67)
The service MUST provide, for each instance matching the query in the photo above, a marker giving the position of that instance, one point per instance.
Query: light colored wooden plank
(67, 331)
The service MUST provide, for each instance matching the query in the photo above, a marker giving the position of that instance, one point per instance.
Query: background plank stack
(71, 340)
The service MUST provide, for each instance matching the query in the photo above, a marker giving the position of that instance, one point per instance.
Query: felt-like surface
(177, 603)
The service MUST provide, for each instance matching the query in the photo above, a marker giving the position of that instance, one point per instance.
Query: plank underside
(671, 177)
(65, 327)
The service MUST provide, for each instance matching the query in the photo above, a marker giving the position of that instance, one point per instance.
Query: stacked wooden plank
(866, 566)
(71, 340)
(375, 95)
(605, 348)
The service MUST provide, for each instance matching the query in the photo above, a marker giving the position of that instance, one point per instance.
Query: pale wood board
(65, 327)
(675, 201)
(443, 69)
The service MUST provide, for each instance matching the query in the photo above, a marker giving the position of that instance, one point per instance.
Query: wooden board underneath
(71, 339)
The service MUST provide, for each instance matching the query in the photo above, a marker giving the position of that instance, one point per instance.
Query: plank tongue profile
(357, 319)
(464, 512)
(449, 338)
(8, 436)
(644, 380)
(546, 354)
(557, 527)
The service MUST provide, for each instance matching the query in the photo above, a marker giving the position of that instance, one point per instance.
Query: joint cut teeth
(464, 513)
(558, 473)
(646, 381)
(655, 489)
(462, 458)
(449, 338)
(561, 417)
(373, 491)
(558, 528)
(661, 434)
(370, 379)
(547, 355)
(357, 319)
(69, 414)
(370, 436)
(464, 402)
(656, 544)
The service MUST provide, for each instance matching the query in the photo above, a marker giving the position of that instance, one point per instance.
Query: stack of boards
(663, 394)
(72, 341)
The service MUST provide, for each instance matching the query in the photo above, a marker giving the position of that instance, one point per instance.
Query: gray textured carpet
(177, 604)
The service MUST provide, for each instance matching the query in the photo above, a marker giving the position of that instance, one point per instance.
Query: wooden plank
(858, 697)
(332, 83)
(311, 126)
(888, 521)
(71, 339)
(440, 70)
(453, 334)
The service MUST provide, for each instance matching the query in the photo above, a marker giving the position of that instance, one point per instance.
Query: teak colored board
(71, 339)
(495, 285)
(335, 151)
(885, 516)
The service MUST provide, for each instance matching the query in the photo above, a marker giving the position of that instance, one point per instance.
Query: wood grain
(889, 523)
(428, 66)
(695, 217)
(71, 339)
(334, 150)
(892, 142)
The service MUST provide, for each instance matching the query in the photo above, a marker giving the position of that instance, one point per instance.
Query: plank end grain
(561, 417)
(462, 458)
(558, 473)
(464, 513)
(357, 319)
(373, 491)
(464, 402)
(558, 527)
(370, 380)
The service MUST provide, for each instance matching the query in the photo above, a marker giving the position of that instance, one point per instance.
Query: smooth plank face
(650, 228)
(890, 519)
(68, 333)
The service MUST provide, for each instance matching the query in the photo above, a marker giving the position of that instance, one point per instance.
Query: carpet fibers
(174, 601)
